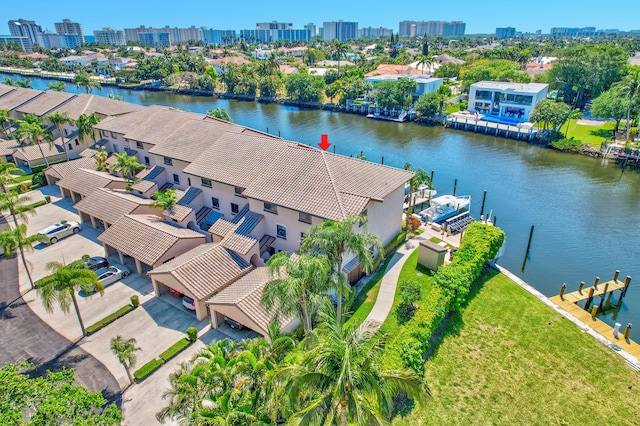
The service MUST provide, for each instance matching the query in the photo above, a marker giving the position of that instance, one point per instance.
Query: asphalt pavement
(24, 336)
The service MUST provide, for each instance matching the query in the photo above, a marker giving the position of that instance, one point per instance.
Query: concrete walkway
(387, 292)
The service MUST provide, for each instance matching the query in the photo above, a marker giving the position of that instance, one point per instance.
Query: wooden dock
(472, 123)
(569, 302)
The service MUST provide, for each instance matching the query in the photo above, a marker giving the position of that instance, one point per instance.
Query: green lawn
(508, 359)
(452, 109)
(592, 135)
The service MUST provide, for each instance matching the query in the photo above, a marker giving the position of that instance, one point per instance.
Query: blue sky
(481, 17)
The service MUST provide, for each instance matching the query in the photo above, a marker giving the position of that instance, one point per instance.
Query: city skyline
(479, 19)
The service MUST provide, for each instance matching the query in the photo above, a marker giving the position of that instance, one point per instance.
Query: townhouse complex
(242, 195)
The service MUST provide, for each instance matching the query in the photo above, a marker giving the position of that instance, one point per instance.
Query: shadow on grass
(453, 323)
(603, 133)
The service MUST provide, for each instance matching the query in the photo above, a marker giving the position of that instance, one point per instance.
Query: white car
(114, 272)
(60, 230)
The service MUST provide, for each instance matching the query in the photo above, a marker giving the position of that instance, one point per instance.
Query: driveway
(24, 336)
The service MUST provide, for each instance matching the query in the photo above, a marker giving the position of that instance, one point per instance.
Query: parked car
(58, 231)
(96, 262)
(188, 303)
(175, 292)
(233, 323)
(111, 274)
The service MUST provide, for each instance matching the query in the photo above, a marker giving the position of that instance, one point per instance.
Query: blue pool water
(501, 120)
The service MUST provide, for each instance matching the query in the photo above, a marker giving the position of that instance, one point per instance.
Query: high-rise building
(212, 36)
(61, 41)
(269, 36)
(375, 32)
(23, 28)
(340, 30)
(421, 28)
(312, 29)
(68, 27)
(155, 38)
(109, 36)
(507, 32)
(274, 25)
(573, 32)
(182, 35)
(24, 42)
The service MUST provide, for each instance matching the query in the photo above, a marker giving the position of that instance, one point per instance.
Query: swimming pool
(501, 120)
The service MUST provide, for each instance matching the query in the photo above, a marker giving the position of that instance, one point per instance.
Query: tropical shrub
(38, 179)
(135, 301)
(192, 334)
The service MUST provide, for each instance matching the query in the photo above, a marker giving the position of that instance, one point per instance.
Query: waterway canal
(586, 212)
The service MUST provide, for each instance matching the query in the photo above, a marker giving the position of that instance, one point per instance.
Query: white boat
(444, 207)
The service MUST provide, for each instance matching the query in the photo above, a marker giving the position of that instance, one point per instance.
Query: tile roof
(178, 212)
(14, 98)
(32, 152)
(109, 206)
(206, 269)
(61, 170)
(85, 181)
(143, 185)
(100, 105)
(245, 294)
(5, 89)
(8, 147)
(44, 103)
(145, 237)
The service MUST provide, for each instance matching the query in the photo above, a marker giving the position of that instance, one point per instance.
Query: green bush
(47, 199)
(135, 301)
(146, 370)
(109, 319)
(411, 351)
(85, 256)
(192, 334)
(175, 349)
(410, 291)
(405, 311)
(38, 179)
(464, 105)
(570, 145)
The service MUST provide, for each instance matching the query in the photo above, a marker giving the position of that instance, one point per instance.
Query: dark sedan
(96, 262)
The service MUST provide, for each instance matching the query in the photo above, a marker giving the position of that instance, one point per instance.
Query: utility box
(431, 255)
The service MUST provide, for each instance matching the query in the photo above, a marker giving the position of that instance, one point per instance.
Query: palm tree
(101, 159)
(62, 284)
(220, 113)
(32, 132)
(341, 378)
(85, 124)
(125, 351)
(16, 238)
(58, 119)
(334, 239)
(24, 83)
(423, 61)
(300, 279)
(127, 165)
(84, 80)
(165, 200)
(631, 88)
(420, 178)
(8, 172)
(5, 119)
(574, 114)
(57, 86)
(10, 82)
(339, 49)
(18, 207)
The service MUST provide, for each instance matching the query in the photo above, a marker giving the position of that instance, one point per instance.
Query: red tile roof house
(242, 196)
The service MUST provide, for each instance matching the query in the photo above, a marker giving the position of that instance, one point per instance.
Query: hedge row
(150, 367)
(479, 245)
(175, 349)
(109, 319)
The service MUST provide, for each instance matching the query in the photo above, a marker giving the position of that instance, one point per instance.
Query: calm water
(585, 211)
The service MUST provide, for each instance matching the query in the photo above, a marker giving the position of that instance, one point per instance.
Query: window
(139, 145)
(115, 148)
(216, 203)
(206, 182)
(176, 178)
(302, 235)
(271, 208)
(304, 217)
(66, 132)
(189, 181)
(234, 208)
(114, 136)
(77, 143)
(146, 161)
(168, 161)
(281, 231)
(238, 191)
(70, 146)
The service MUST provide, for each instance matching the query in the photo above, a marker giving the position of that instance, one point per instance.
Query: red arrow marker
(324, 144)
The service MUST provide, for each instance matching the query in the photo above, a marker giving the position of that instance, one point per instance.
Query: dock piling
(589, 299)
(484, 196)
(594, 311)
(455, 186)
(615, 276)
(580, 287)
(627, 331)
(627, 281)
(595, 283)
(562, 290)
